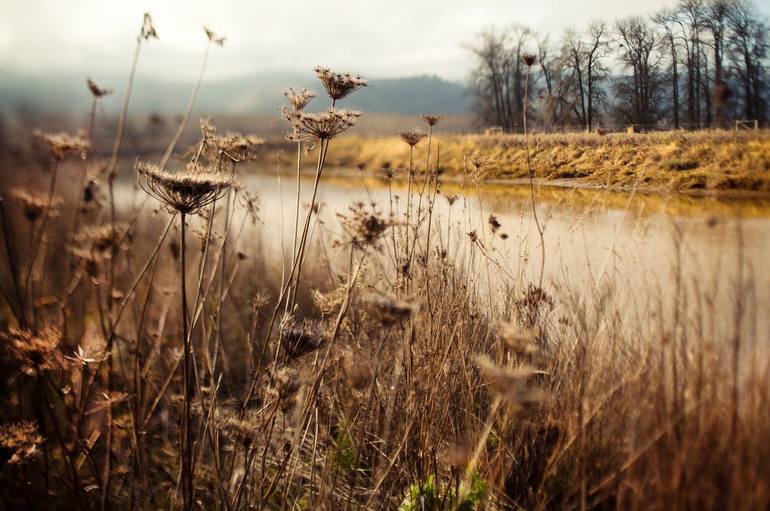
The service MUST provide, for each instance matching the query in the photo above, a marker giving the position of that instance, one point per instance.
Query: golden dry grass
(662, 161)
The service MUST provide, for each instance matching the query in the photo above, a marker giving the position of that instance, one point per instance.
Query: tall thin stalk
(186, 440)
(529, 60)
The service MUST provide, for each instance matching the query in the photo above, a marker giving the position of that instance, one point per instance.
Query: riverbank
(693, 162)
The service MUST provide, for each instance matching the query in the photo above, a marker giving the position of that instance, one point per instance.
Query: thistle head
(184, 191)
(339, 85)
(412, 137)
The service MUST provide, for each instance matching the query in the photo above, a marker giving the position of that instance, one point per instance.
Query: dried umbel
(510, 383)
(239, 147)
(412, 137)
(186, 192)
(63, 144)
(214, 38)
(389, 311)
(299, 98)
(148, 30)
(33, 205)
(339, 85)
(34, 351)
(528, 59)
(96, 91)
(363, 227)
(432, 120)
(494, 223)
(477, 160)
(451, 198)
(100, 238)
(325, 125)
(19, 441)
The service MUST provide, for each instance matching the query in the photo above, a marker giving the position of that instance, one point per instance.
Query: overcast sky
(377, 38)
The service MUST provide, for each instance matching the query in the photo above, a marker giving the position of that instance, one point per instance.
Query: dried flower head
(33, 205)
(389, 311)
(300, 338)
(339, 85)
(477, 160)
(299, 98)
(186, 192)
(63, 144)
(20, 441)
(325, 125)
(528, 59)
(148, 29)
(494, 223)
(412, 137)
(35, 351)
(285, 388)
(100, 238)
(432, 120)
(363, 227)
(510, 383)
(239, 147)
(96, 91)
(214, 38)
(451, 198)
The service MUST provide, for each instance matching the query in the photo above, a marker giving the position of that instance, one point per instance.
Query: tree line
(700, 64)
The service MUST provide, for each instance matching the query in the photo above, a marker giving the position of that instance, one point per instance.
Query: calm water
(593, 239)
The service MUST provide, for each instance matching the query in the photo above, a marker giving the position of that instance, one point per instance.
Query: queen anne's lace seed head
(186, 192)
(339, 85)
(432, 120)
(63, 144)
(323, 125)
(148, 30)
(96, 91)
(412, 137)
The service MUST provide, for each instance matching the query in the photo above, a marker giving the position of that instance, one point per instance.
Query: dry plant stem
(112, 166)
(532, 181)
(186, 441)
(39, 240)
(12, 266)
(190, 104)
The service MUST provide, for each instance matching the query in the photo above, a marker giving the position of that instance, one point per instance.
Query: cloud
(374, 37)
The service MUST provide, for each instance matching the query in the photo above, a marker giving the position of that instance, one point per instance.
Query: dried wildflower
(363, 228)
(477, 160)
(239, 147)
(528, 59)
(33, 205)
(148, 30)
(285, 388)
(339, 85)
(185, 192)
(35, 352)
(509, 383)
(473, 236)
(389, 311)
(63, 144)
(19, 440)
(412, 137)
(96, 91)
(83, 357)
(299, 98)
(330, 302)
(250, 202)
(518, 341)
(298, 339)
(325, 125)
(451, 198)
(432, 120)
(494, 223)
(100, 238)
(214, 38)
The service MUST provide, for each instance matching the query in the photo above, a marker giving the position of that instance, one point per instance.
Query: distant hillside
(257, 94)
